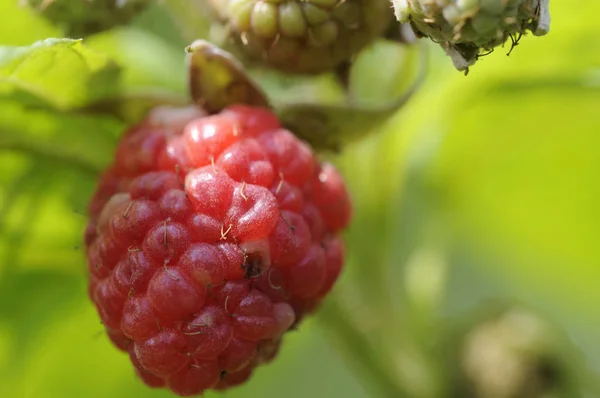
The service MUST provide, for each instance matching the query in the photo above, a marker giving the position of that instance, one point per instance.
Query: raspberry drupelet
(209, 237)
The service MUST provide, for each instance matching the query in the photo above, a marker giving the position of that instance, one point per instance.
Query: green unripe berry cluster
(308, 36)
(466, 28)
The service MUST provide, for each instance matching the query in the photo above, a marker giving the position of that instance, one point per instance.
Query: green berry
(79, 18)
(466, 28)
(303, 36)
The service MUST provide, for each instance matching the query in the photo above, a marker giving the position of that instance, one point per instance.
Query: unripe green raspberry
(79, 18)
(303, 36)
(465, 28)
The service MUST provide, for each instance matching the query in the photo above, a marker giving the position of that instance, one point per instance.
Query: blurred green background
(485, 186)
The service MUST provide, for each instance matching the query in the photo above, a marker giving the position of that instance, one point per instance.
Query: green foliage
(57, 72)
(482, 186)
(81, 18)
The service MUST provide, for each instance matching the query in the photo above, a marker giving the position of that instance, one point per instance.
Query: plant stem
(358, 347)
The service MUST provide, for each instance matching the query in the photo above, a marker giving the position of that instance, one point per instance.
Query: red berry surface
(209, 237)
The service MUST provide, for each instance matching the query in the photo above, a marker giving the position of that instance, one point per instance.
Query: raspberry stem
(330, 127)
(359, 348)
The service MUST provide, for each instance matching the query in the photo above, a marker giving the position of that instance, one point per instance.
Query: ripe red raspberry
(210, 236)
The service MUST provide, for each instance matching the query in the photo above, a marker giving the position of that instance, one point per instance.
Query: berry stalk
(382, 379)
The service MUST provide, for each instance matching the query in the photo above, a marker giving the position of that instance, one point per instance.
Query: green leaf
(81, 141)
(334, 126)
(153, 73)
(148, 61)
(529, 182)
(21, 26)
(59, 73)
